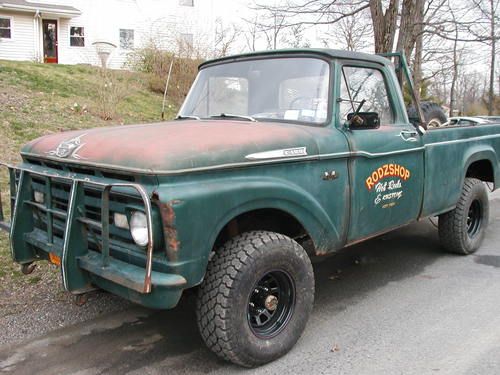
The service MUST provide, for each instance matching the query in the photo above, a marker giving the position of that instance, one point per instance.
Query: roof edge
(325, 52)
(39, 7)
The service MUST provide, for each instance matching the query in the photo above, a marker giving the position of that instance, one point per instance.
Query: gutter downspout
(37, 35)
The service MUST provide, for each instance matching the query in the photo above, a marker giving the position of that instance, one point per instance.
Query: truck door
(386, 163)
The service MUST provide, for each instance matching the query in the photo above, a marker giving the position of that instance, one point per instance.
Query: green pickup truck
(274, 159)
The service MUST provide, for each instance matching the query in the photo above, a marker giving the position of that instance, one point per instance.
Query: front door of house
(49, 41)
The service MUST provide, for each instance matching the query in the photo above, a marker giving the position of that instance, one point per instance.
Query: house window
(76, 36)
(5, 28)
(186, 3)
(126, 38)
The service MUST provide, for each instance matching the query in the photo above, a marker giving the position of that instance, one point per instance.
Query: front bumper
(82, 268)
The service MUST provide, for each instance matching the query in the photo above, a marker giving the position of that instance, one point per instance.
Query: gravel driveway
(33, 305)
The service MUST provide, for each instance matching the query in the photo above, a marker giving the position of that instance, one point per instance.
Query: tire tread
(451, 228)
(213, 300)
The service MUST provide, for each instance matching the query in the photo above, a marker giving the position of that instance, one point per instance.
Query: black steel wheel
(271, 304)
(256, 298)
(461, 230)
(474, 218)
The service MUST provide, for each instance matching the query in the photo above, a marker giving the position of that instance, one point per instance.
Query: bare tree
(272, 23)
(225, 37)
(454, 73)
(426, 31)
(328, 12)
(345, 15)
(486, 28)
(294, 37)
(251, 33)
(350, 33)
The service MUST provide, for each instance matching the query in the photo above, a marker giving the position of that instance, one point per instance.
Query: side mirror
(363, 120)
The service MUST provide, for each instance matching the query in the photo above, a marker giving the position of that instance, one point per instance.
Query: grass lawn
(38, 99)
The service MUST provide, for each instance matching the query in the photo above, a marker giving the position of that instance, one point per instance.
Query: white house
(63, 31)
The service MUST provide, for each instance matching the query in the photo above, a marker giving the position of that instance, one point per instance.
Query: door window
(358, 84)
(50, 41)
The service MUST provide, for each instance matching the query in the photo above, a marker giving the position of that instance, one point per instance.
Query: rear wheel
(256, 298)
(461, 230)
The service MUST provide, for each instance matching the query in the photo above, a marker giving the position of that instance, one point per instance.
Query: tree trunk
(454, 74)
(411, 26)
(384, 24)
(491, 93)
(417, 66)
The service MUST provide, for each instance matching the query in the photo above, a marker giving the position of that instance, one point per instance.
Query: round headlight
(139, 228)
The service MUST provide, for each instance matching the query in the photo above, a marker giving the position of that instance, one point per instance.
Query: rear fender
(478, 153)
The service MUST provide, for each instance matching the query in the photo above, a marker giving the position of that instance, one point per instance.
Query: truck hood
(177, 146)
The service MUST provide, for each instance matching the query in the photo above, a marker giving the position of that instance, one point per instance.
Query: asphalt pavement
(396, 304)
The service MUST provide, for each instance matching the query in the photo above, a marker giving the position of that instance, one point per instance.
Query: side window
(5, 28)
(367, 84)
(126, 38)
(76, 36)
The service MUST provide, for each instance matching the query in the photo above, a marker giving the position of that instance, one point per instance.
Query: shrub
(157, 62)
(110, 92)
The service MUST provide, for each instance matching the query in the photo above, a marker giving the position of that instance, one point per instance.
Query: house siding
(158, 22)
(22, 42)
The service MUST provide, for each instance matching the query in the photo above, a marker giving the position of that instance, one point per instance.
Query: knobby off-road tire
(250, 273)
(461, 230)
(433, 114)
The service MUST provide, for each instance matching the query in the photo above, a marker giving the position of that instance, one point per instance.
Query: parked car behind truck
(275, 158)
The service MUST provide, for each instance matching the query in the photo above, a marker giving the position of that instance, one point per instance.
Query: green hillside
(38, 99)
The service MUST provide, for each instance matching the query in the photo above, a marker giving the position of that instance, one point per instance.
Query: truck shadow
(168, 341)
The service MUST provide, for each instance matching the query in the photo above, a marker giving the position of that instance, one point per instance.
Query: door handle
(409, 135)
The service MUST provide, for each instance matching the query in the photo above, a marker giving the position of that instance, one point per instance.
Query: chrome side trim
(274, 154)
(336, 155)
(382, 154)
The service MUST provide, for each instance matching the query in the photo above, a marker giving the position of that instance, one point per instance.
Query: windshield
(280, 89)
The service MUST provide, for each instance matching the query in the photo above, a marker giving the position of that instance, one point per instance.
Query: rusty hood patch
(174, 146)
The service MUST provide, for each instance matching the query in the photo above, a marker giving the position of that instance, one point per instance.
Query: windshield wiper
(180, 117)
(230, 115)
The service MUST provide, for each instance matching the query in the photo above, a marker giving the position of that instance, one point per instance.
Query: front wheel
(461, 230)
(256, 298)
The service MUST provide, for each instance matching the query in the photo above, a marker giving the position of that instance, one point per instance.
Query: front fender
(202, 209)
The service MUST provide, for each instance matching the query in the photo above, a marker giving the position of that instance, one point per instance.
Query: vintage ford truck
(275, 157)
